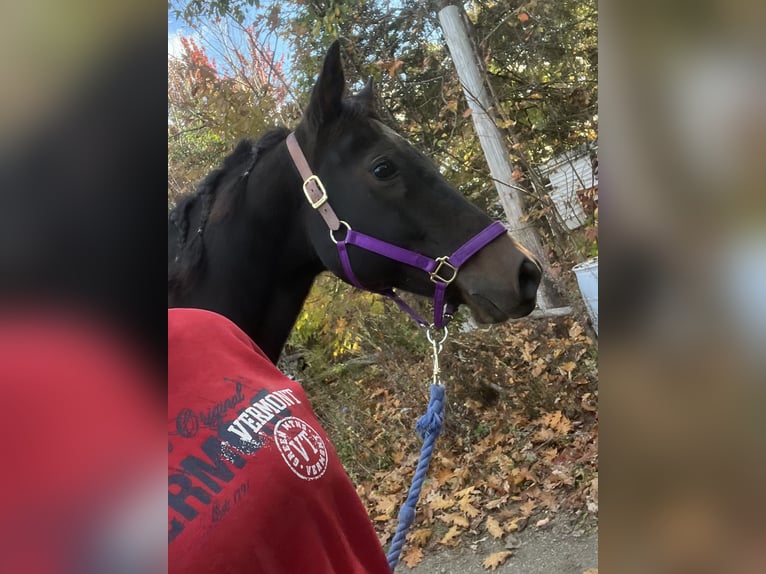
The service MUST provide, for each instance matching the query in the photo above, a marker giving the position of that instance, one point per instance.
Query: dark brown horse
(248, 244)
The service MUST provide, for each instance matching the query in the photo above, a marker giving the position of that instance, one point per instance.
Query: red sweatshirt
(82, 453)
(254, 485)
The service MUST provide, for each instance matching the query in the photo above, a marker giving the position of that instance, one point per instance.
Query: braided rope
(429, 426)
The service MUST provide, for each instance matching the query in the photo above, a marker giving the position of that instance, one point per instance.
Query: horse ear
(367, 94)
(326, 97)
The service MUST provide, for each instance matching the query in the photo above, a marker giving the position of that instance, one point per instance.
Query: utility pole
(469, 71)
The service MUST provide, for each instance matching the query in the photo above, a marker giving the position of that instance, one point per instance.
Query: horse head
(379, 184)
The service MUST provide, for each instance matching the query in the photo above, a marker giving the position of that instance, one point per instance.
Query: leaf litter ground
(519, 445)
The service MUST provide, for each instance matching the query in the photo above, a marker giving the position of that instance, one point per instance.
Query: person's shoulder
(183, 317)
(190, 326)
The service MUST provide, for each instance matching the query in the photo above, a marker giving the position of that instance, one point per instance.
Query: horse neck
(264, 265)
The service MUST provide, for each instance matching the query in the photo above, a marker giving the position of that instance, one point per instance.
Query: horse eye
(384, 169)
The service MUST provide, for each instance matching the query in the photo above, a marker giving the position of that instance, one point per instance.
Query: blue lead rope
(429, 427)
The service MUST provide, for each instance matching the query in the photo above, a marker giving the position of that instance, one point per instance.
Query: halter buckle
(443, 262)
(316, 204)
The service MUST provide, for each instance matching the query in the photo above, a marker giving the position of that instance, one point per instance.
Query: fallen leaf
(387, 504)
(452, 533)
(527, 508)
(495, 482)
(551, 419)
(543, 435)
(420, 537)
(444, 475)
(564, 426)
(455, 518)
(542, 522)
(413, 556)
(550, 454)
(441, 503)
(492, 504)
(523, 17)
(467, 112)
(465, 492)
(466, 506)
(557, 421)
(496, 559)
(494, 528)
(568, 367)
(521, 474)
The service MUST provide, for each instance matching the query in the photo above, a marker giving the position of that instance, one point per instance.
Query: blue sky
(174, 27)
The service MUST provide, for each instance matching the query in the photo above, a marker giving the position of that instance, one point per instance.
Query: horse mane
(210, 194)
(216, 199)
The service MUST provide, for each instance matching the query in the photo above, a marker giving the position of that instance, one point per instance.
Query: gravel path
(563, 546)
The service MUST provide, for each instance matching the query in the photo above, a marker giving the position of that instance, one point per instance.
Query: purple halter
(442, 270)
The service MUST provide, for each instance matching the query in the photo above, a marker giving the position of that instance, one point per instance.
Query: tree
(211, 106)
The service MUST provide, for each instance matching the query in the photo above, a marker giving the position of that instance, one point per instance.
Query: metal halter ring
(443, 263)
(332, 237)
(431, 339)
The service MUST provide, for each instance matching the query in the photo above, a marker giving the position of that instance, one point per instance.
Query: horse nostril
(529, 278)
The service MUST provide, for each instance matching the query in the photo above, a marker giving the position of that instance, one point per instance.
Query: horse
(345, 193)
(248, 245)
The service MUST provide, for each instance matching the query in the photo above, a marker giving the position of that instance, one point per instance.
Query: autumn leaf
(492, 504)
(449, 538)
(551, 419)
(527, 508)
(413, 556)
(387, 504)
(467, 112)
(550, 454)
(455, 518)
(564, 426)
(557, 421)
(420, 537)
(444, 475)
(521, 474)
(575, 331)
(392, 67)
(441, 503)
(494, 528)
(543, 435)
(466, 506)
(568, 367)
(465, 492)
(523, 17)
(497, 483)
(496, 559)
